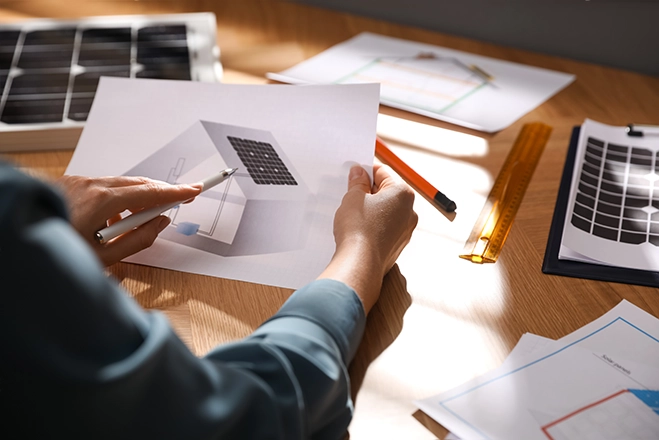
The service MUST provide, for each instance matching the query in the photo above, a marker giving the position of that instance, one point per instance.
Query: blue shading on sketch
(187, 228)
(239, 216)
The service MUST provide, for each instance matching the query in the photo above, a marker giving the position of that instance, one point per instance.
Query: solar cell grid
(263, 163)
(8, 41)
(616, 198)
(113, 36)
(51, 75)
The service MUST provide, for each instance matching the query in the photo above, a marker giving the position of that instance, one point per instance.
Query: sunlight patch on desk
(435, 352)
(450, 332)
(465, 183)
(393, 411)
(211, 327)
(134, 287)
(436, 276)
(433, 346)
(165, 298)
(430, 138)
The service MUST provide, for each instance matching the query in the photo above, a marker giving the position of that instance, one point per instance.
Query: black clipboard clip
(640, 130)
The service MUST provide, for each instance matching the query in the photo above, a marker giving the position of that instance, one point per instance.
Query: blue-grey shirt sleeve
(80, 359)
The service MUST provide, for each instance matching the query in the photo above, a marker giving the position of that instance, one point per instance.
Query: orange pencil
(429, 192)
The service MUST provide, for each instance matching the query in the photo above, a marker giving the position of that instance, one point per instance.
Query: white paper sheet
(562, 392)
(181, 132)
(527, 345)
(433, 81)
(613, 210)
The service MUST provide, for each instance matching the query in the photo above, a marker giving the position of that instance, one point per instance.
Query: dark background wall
(617, 33)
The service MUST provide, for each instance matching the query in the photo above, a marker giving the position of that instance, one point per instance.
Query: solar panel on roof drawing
(618, 193)
(263, 163)
(49, 71)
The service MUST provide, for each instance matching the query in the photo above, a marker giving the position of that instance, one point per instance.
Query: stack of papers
(599, 382)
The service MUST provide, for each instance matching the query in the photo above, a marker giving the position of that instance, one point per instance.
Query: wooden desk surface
(441, 320)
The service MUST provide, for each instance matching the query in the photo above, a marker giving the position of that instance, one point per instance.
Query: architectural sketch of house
(239, 216)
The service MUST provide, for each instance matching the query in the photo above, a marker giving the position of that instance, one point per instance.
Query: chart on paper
(471, 90)
(427, 81)
(599, 382)
(629, 413)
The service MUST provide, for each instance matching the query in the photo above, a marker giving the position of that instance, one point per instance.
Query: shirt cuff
(332, 306)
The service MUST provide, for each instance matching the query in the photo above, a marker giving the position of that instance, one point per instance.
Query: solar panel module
(50, 69)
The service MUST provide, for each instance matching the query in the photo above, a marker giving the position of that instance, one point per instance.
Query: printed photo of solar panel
(618, 193)
(50, 69)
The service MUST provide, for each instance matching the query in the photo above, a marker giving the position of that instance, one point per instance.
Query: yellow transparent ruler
(495, 220)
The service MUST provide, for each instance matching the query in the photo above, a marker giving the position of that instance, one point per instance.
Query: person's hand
(380, 216)
(371, 228)
(95, 203)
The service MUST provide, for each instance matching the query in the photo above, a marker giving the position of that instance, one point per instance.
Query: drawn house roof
(272, 199)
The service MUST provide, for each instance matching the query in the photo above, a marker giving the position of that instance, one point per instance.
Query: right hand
(371, 228)
(380, 216)
(96, 202)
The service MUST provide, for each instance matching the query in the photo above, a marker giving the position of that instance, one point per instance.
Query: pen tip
(232, 170)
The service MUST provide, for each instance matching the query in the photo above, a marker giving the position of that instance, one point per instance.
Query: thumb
(358, 180)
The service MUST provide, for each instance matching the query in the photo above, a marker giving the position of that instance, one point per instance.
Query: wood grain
(441, 320)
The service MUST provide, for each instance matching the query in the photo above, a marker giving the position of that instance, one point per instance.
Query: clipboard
(576, 269)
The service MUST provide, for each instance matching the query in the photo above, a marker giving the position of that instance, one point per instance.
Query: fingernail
(355, 172)
(162, 224)
(197, 186)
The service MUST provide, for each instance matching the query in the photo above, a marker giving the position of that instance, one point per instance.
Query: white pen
(139, 218)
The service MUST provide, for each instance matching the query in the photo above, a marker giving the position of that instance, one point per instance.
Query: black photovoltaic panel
(618, 193)
(263, 163)
(163, 51)
(8, 41)
(52, 75)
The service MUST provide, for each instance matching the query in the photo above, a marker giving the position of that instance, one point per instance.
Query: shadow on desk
(207, 311)
(204, 311)
(430, 424)
(383, 326)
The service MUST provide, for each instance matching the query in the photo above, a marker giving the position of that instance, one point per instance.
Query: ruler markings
(496, 219)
